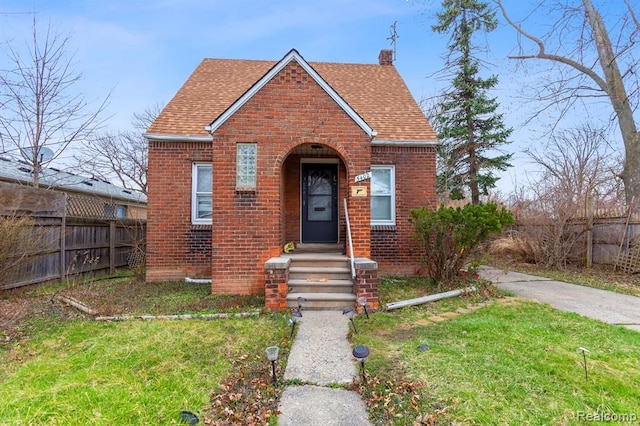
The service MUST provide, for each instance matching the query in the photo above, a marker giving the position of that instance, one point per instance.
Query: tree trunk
(610, 83)
(619, 100)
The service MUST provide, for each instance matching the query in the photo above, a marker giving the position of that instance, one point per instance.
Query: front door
(319, 203)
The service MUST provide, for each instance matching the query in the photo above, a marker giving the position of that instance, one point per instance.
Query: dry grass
(516, 248)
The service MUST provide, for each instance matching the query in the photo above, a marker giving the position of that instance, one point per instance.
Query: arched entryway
(314, 180)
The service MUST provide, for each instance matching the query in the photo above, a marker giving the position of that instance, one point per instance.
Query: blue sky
(144, 50)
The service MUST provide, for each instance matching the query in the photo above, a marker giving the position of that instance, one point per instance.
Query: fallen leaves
(248, 398)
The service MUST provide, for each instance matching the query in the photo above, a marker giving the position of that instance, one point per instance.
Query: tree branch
(551, 57)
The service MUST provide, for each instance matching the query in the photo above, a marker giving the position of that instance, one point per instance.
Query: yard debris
(76, 304)
(430, 298)
(179, 317)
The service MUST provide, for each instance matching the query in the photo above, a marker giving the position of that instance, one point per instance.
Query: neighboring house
(86, 196)
(250, 155)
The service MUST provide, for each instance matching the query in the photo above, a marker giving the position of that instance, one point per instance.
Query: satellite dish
(44, 154)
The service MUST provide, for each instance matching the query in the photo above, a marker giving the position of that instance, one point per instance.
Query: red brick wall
(249, 228)
(175, 248)
(393, 247)
(292, 198)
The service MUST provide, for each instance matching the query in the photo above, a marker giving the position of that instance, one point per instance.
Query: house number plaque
(363, 176)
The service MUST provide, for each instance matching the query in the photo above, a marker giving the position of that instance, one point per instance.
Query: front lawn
(506, 362)
(477, 359)
(59, 367)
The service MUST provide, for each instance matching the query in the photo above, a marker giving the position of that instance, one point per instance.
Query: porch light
(363, 302)
(272, 355)
(301, 301)
(316, 147)
(295, 318)
(350, 312)
(361, 353)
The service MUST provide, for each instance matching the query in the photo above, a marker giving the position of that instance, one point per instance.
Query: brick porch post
(367, 283)
(276, 277)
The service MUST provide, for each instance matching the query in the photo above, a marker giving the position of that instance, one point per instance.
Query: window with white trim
(383, 195)
(201, 193)
(246, 164)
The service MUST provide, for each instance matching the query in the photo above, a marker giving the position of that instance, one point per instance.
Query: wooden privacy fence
(53, 246)
(605, 237)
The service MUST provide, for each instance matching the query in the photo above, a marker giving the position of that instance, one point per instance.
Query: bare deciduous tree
(591, 62)
(41, 109)
(577, 165)
(122, 156)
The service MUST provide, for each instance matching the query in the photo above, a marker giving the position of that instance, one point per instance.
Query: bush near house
(448, 235)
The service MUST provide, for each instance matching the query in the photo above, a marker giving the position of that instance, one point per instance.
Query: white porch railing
(352, 260)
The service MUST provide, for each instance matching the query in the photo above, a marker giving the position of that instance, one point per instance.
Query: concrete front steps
(324, 279)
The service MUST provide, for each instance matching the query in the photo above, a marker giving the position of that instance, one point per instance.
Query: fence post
(589, 231)
(112, 247)
(63, 242)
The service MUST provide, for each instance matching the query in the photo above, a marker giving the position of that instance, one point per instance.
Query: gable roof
(293, 55)
(374, 93)
(12, 170)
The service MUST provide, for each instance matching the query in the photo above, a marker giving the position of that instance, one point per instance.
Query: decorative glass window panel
(246, 164)
(383, 208)
(320, 196)
(202, 184)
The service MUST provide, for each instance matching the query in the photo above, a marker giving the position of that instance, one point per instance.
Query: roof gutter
(407, 143)
(175, 138)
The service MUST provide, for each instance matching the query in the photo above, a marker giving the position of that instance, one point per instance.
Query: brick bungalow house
(250, 155)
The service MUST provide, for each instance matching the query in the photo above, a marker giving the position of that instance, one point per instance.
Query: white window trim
(194, 198)
(392, 184)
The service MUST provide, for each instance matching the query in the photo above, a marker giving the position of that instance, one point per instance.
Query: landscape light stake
(272, 355)
(363, 302)
(361, 353)
(584, 359)
(349, 312)
(296, 316)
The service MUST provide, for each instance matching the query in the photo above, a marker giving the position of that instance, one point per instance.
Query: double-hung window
(383, 195)
(246, 162)
(201, 197)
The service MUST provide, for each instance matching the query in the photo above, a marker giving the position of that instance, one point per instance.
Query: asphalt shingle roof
(12, 170)
(376, 92)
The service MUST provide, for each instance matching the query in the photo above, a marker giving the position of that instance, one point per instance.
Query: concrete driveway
(603, 305)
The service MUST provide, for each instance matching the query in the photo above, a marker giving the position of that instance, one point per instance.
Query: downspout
(197, 280)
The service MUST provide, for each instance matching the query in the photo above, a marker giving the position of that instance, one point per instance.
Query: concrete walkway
(603, 305)
(321, 356)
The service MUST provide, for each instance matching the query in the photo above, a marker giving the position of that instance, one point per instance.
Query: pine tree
(466, 121)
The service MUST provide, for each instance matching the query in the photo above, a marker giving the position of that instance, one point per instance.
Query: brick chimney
(385, 57)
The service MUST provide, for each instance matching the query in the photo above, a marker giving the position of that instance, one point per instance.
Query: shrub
(448, 235)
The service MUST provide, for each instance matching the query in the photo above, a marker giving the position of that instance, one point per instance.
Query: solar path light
(272, 355)
(350, 312)
(363, 302)
(301, 301)
(361, 353)
(296, 316)
(584, 353)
